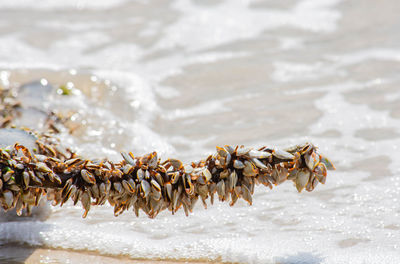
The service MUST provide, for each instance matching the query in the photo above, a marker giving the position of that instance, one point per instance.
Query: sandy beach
(22, 254)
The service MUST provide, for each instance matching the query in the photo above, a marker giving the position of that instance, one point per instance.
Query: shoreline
(14, 253)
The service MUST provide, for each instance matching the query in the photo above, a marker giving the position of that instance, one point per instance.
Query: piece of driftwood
(146, 183)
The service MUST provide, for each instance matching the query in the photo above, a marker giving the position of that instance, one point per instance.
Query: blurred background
(181, 77)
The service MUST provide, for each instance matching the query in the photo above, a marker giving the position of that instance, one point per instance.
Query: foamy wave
(203, 27)
(50, 4)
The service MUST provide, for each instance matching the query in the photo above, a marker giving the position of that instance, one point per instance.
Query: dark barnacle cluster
(146, 183)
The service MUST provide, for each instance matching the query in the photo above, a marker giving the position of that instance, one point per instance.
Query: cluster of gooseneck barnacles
(146, 183)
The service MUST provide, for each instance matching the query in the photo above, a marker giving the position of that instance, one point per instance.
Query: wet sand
(22, 254)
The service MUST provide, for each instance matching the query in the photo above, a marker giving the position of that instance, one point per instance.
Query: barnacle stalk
(146, 183)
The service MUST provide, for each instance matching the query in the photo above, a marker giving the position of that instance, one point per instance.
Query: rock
(10, 136)
(34, 97)
(35, 93)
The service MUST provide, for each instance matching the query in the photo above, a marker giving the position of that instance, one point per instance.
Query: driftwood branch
(146, 182)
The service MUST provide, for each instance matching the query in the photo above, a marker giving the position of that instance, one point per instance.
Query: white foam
(292, 72)
(202, 27)
(213, 106)
(57, 4)
(141, 97)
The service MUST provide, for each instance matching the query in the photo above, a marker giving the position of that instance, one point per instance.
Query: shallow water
(182, 77)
